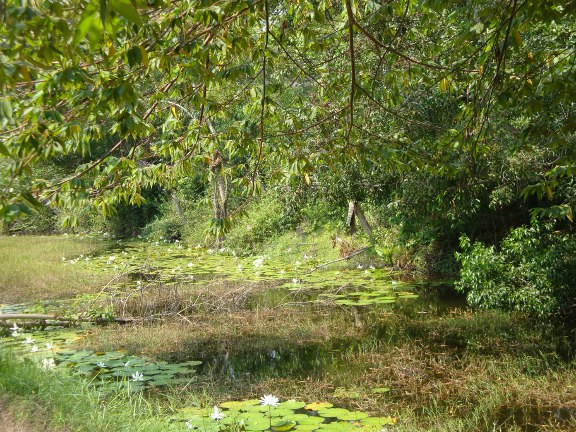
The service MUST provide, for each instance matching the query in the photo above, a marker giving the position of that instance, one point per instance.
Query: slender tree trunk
(178, 206)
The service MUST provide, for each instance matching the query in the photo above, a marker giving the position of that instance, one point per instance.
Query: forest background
(233, 122)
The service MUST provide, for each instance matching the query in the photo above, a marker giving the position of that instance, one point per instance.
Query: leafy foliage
(147, 92)
(534, 272)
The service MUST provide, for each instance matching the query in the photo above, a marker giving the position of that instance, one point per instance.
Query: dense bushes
(533, 271)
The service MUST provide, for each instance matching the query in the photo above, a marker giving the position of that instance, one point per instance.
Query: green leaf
(103, 6)
(127, 10)
(84, 26)
(134, 55)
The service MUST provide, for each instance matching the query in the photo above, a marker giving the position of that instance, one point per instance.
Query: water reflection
(312, 360)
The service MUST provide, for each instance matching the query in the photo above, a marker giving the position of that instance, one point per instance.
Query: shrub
(533, 272)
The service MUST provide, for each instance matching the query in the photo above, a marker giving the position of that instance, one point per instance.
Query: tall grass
(64, 402)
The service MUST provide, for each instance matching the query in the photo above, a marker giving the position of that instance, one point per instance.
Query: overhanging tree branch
(352, 68)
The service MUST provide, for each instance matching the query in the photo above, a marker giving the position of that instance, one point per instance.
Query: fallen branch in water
(358, 252)
(44, 317)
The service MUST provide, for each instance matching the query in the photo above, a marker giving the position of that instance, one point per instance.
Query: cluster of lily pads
(368, 298)
(111, 370)
(171, 262)
(261, 415)
(107, 370)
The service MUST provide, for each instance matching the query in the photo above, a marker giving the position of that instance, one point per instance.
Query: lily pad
(280, 412)
(292, 404)
(336, 427)
(306, 427)
(311, 420)
(315, 406)
(332, 412)
(283, 425)
(352, 415)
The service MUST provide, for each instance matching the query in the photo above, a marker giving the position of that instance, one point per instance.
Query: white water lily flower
(259, 262)
(15, 334)
(15, 327)
(34, 348)
(295, 281)
(28, 340)
(297, 263)
(188, 425)
(49, 346)
(47, 364)
(190, 264)
(282, 271)
(360, 266)
(269, 400)
(217, 414)
(137, 376)
(101, 365)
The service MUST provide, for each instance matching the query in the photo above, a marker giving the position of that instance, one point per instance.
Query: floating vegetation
(169, 263)
(111, 370)
(252, 415)
(107, 370)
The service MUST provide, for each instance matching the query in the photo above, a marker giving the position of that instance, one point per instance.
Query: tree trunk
(351, 220)
(178, 209)
(353, 211)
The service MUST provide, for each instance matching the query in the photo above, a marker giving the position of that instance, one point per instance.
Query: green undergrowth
(65, 403)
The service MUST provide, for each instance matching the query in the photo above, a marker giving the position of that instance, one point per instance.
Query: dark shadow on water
(235, 360)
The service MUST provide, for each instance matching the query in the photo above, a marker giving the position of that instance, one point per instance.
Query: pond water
(143, 265)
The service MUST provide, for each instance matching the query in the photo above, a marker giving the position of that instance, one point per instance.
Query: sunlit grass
(66, 403)
(32, 268)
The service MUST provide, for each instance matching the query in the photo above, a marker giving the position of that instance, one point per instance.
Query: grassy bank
(38, 267)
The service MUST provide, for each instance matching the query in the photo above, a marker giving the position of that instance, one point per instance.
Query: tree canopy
(141, 93)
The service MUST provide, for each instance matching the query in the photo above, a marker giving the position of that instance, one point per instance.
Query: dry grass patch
(247, 329)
